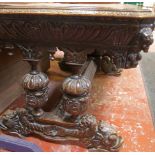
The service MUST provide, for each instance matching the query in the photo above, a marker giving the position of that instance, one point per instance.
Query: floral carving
(73, 106)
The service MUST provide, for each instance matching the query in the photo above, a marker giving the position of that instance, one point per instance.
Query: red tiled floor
(124, 103)
(118, 100)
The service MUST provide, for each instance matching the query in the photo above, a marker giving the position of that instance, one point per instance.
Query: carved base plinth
(85, 131)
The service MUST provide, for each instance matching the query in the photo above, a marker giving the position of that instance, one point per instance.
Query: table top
(62, 9)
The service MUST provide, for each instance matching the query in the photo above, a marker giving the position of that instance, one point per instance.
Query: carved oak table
(95, 39)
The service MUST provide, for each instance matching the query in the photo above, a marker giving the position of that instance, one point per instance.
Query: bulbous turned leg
(36, 91)
(76, 91)
(75, 98)
(79, 129)
(35, 83)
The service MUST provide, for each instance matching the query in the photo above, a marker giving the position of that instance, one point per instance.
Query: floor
(120, 101)
(148, 75)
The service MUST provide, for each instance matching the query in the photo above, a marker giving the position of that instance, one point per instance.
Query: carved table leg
(76, 91)
(34, 83)
(74, 126)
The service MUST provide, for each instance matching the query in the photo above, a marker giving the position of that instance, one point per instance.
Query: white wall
(148, 3)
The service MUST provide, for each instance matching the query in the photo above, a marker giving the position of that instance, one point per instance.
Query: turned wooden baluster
(35, 83)
(76, 91)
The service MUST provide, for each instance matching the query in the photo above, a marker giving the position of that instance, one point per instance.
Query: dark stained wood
(12, 68)
(110, 37)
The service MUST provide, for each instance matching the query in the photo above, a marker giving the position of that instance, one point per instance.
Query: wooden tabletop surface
(114, 10)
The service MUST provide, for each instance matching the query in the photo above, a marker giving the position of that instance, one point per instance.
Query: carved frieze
(63, 34)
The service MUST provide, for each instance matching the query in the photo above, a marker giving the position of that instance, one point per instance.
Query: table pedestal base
(85, 131)
(68, 123)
